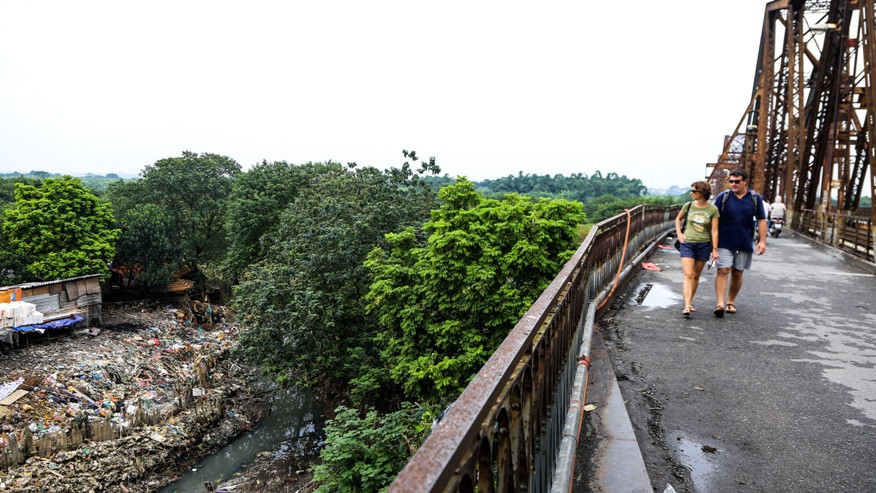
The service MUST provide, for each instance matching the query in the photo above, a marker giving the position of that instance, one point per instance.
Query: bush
(365, 454)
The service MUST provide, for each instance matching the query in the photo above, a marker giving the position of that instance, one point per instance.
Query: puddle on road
(653, 295)
(700, 463)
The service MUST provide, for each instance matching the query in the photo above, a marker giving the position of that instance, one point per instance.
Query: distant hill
(672, 191)
(46, 174)
(90, 180)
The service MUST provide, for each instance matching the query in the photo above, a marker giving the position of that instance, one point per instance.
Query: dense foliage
(445, 305)
(602, 196)
(258, 198)
(191, 193)
(303, 301)
(145, 253)
(98, 183)
(57, 230)
(577, 186)
(193, 189)
(365, 453)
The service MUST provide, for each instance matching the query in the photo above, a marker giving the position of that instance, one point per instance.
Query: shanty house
(62, 303)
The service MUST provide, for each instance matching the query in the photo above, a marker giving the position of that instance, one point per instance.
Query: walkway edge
(617, 459)
(861, 263)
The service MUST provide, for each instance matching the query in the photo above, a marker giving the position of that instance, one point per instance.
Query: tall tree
(193, 189)
(302, 305)
(60, 229)
(258, 198)
(144, 250)
(444, 306)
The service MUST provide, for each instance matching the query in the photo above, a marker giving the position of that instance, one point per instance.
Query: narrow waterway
(294, 427)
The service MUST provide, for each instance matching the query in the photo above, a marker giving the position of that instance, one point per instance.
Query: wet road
(779, 397)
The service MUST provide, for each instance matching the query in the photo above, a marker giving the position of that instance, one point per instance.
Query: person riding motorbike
(777, 217)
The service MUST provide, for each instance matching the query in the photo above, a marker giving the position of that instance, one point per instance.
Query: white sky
(640, 88)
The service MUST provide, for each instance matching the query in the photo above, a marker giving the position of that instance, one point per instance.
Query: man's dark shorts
(697, 251)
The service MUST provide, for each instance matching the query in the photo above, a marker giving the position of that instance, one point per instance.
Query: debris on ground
(124, 407)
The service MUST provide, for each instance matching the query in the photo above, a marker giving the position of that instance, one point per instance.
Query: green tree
(60, 229)
(445, 306)
(7, 189)
(365, 453)
(258, 198)
(193, 191)
(125, 195)
(145, 250)
(303, 304)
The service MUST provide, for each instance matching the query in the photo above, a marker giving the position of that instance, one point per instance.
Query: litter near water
(94, 409)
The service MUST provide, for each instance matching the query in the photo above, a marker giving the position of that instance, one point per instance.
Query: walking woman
(698, 238)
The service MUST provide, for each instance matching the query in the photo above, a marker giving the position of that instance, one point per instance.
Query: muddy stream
(294, 426)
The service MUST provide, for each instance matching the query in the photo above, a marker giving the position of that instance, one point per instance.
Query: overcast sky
(640, 88)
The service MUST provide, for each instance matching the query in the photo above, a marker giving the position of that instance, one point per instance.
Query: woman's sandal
(719, 311)
(686, 312)
(731, 308)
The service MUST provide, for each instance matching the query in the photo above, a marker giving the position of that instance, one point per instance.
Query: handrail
(849, 232)
(503, 433)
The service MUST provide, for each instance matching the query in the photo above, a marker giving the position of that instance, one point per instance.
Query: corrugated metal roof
(29, 285)
(180, 285)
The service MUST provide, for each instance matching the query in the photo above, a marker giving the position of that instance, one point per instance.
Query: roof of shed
(28, 285)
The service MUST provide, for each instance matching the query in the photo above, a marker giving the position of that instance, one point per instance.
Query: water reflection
(654, 295)
(293, 427)
(695, 456)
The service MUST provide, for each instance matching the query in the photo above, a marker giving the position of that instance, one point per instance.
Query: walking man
(740, 207)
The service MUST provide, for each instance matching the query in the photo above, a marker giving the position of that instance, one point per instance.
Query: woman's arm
(678, 222)
(715, 236)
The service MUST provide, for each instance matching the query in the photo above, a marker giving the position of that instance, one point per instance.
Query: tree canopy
(445, 305)
(145, 251)
(302, 303)
(59, 229)
(192, 191)
(577, 186)
(258, 198)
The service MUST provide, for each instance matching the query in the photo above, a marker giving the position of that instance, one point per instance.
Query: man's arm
(760, 248)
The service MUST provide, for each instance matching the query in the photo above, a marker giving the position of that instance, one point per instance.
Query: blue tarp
(54, 324)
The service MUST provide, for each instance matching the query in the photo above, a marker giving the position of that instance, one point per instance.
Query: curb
(617, 460)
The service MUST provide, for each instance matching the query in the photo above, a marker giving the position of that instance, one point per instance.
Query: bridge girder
(806, 133)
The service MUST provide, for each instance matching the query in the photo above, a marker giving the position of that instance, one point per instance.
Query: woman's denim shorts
(697, 251)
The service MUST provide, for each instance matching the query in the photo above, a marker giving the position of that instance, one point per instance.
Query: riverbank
(289, 474)
(165, 386)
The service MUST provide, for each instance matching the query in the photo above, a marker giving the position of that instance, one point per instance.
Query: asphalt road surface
(778, 397)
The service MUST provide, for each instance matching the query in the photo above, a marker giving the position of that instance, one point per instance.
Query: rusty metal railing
(850, 233)
(503, 434)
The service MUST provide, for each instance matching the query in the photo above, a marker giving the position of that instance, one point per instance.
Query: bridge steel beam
(507, 432)
(807, 133)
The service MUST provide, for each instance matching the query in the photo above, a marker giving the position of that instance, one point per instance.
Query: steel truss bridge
(809, 130)
(807, 135)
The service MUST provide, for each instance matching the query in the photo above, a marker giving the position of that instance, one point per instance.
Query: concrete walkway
(779, 397)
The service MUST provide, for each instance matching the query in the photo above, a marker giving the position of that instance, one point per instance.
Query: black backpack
(754, 196)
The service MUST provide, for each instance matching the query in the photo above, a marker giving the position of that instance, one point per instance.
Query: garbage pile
(155, 362)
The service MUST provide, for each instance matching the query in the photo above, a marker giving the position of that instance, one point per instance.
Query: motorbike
(776, 227)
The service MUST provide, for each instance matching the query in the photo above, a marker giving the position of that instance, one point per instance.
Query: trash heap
(153, 375)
